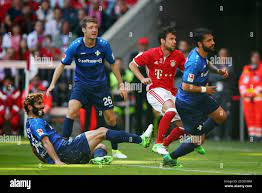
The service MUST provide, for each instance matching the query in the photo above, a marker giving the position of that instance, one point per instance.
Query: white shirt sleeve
(6, 41)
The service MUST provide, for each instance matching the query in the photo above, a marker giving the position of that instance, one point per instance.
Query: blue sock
(68, 126)
(183, 149)
(121, 136)
(100, 152)
(209, 125)
(114, 145)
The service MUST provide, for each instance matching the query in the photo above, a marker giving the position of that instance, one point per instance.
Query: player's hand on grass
(58, 162)
(146, 81)
(50, 89)
(210, 89)
(223, 72)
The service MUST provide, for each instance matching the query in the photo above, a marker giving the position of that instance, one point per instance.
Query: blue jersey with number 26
(90, 68)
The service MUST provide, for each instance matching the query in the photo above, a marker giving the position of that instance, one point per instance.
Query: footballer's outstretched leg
(110, 118)
(95, 137)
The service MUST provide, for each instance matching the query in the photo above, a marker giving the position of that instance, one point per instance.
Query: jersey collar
(162, 54)
(85, 44)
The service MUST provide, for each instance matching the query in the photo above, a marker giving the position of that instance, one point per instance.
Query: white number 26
(107, 101)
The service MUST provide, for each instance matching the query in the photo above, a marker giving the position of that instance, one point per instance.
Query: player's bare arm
(58, 71)
(223, 72)
(116, 70)
(133, 67)
(51, 151)
(198, 89)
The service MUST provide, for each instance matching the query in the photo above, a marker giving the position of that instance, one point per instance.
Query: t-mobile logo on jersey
(158, 73)
(20, 184)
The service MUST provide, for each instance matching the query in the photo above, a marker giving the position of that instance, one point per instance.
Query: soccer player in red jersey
(161, 65)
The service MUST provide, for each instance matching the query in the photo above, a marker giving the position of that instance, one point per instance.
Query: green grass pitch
(222, 158)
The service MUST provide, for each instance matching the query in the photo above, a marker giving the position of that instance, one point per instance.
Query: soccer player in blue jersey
(90, 82)
(199, 112)
(52, 148)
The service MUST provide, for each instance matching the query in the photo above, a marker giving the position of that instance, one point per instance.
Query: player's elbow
(131, 65)
(45, 141)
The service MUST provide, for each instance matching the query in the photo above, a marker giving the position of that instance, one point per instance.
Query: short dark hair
(31, 99)
(199, 34)
(165, 31)
(86, 20)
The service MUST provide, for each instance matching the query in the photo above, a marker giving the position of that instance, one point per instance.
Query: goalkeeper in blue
(199, 112)
(52, 148)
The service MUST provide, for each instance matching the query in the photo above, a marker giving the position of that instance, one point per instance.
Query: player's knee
(222, 117)
(72, 113)
(101, 146)
(111, 121)
(102, 132)
(169, 104)
(171, 112)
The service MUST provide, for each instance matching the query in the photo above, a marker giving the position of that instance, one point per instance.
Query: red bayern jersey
(10, 100)
(161, 70)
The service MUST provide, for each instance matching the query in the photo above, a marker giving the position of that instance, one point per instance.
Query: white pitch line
(233, 149)
(187, 170)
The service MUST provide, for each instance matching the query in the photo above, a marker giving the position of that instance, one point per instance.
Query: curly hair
(31, 99)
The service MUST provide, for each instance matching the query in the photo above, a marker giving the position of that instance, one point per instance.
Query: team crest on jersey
(40, 132)
(64, 56)
(172, 63)
(246, 80)
(97, 53)
(190, 77)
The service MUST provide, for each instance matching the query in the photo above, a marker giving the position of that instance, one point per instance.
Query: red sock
(164, 125)
(173, 136)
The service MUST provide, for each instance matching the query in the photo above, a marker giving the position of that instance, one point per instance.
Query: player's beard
(208, 50)
(38, 112)
(170, 49)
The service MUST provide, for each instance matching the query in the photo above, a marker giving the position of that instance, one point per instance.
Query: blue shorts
(195, 114)
(100, 96)
(75, 151)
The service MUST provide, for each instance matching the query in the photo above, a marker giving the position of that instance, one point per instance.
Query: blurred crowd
(45, 28)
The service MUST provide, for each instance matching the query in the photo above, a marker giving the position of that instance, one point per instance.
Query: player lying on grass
(52, 148)
(162, 63)
(199, 112)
